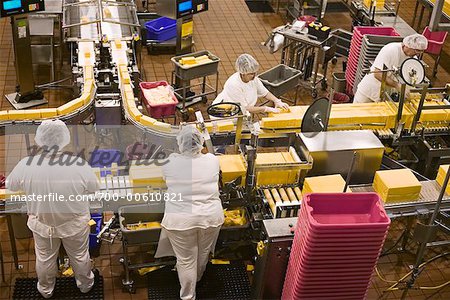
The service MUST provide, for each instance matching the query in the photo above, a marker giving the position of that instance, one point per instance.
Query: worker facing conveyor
(391, 55)
(244, 88)
(192, 223)
(52, 216)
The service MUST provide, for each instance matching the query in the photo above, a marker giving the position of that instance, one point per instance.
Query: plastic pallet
(66, 288)
(220, 282)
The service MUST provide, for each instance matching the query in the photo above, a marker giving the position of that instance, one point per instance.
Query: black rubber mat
(219, 282)
(259, 6)
(66, 288)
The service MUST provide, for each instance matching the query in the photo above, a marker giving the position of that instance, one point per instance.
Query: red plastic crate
(435, 39)
(362, 30)
(156, 110)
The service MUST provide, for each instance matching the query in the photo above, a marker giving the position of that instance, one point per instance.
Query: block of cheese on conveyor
(232, 167)
(397, 185)
(70, 106)
(3, 115)
(324, 184)
(431, 115)
(147, 121)
(89, 86)
(126, 88)
(125, 76)
(134, 113)
(88, 72)
(144, 176)
(270, 171)
(282, 121)
(48, 112)
(86, 98)
(29, 114)
(129, 98)
(440, 178)
(226, 125)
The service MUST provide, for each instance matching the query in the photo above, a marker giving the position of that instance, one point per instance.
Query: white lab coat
(54, 215)
(245, 94)
(369, 88)
(191, 226)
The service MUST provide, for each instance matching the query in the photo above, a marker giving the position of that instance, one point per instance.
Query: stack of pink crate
(355, 49)
(337, 242)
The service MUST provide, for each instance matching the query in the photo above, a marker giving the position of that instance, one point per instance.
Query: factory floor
(227, 30)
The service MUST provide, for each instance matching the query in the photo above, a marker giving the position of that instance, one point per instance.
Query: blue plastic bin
(102, 158)
(161, 29)
(98, 218)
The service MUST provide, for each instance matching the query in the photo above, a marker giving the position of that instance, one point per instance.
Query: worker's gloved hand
(281, 104)
(271, 110)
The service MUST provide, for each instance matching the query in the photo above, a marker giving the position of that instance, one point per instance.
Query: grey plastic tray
(188, 73)
(280, 79)
(133, 214)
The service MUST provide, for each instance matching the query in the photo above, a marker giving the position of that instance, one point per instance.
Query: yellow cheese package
(3, 115)
(146, 177)
(324, 184)
(224, 126)
(30, 114)
(147, 121)
(134, 113)
(48, 113)
(277, 168)
(395, 186)
(232, 167)
(440, 178)
(70, 106)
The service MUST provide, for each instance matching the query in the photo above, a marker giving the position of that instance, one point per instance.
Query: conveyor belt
(219, 282)
(424, 205)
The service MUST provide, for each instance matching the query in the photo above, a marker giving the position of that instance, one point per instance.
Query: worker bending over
(54, 222)
(392, 55)
(244, 88)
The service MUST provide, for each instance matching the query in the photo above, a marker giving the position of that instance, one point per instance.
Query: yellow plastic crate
(232, 167)
(395, 186)
(324, 184)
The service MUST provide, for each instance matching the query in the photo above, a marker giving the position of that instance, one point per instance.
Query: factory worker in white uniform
(244, 88)
(391, 55)
(193, 224)
(65, 221)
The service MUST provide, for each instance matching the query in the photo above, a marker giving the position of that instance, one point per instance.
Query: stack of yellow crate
(395, 186)
(324, 184)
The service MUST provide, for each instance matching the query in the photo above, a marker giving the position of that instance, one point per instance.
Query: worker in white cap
(391, 55)
(244, 88)
(53, 183)
(192, 221)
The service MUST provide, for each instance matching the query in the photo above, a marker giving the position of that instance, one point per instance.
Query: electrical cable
(382, 278)
(52, 83)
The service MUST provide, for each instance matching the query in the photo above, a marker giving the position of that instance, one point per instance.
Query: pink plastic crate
(362, 30)
(435, 39)
(157, 110)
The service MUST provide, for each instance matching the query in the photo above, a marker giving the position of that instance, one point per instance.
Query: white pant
(77, 249)
(192, 248)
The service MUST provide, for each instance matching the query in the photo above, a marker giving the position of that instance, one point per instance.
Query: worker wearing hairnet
(391, 55)
(51, 183)
(244, 88)
(191, 225)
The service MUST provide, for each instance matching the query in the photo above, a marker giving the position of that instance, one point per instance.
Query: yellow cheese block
(86, 98)
(224, 126)
(188, 60)
(232, 167)
(48, 113)
(118, 44)
(269, 158)
(88, 86)
(443, 169)
(160, 126)
(4, 193)
(147, 121)
(144, 177)
(3, 115)
(69, 107)
(134, 113)
(125, 77)
(123, 68)
(88, 72)
(30, 114)
(282, 121)
(397, 185)
(126, 88)
(268, 173)
(324, 184)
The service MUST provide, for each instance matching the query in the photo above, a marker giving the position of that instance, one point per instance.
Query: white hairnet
(416, 42)
(190, 140)
(52, 133)
(246, 64)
